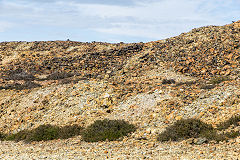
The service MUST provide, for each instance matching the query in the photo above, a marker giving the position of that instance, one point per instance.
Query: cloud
(119, 19)
(107, 2)
(4, 26)
(103, 2)
(161, 19)
(156, 20)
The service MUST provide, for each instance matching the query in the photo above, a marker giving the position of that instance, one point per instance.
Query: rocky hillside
(193, 75)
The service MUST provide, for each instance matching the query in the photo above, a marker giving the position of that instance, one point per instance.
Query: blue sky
(110, 20)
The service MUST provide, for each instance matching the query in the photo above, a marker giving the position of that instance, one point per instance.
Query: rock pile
(205, 52)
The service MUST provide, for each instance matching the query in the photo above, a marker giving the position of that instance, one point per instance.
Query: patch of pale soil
(165, 73)
(24, 46)
(9, 58)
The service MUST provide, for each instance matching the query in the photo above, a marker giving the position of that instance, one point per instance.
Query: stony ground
(129, 149)
(148, 84)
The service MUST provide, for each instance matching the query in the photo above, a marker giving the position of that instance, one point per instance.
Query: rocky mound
(151, 85)
(206, 51)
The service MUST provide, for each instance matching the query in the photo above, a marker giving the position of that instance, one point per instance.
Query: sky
(110, 20)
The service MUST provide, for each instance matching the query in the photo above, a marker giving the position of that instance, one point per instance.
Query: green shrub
(43, 133)
(193, 128)
(22, 135)
(206, 86)
(217, 80)
(184, 129)
(19, 74)
(2, 136)
(232, 134)
(106, 129)
(17, 86)
(59, 75)
(69, 131)
(234, 120)
(46, 132)
(168, 81)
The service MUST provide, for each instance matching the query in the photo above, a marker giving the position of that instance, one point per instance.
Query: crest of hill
(206, 51)
(203, 52)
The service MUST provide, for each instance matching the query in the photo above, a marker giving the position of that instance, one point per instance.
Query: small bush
(22, 135)
(184, 129)
(234, 120)
(46, 132)
(106, 129)
(2, 136)
(232, 134)
(43, 133)
(168, 81)
(206, 86)
(193, 128)
(188, 83)
(19, 74)
(217, 80)
(59, 75)
(69, 131)
(17, 86)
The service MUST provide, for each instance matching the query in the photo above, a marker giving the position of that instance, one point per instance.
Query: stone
(200, 140)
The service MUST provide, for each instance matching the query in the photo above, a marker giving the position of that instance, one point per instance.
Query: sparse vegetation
(232, 134)
(188, 83)
(207, 86)
(100, 130)
(111, 130)
(17, 86)
(43, 133)
(193, 128)
(234, 120)
(19, 74)
(46, 132)
(70, 131)
(59, 75)
(22, 135)
(217, 80)
(184, 129)
(2, 136)
(106, 129)
(213, 82)
(168, 81)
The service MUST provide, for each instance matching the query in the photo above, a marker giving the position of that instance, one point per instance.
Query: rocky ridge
(196, 74)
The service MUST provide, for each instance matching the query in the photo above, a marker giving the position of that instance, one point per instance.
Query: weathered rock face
(150, 84)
